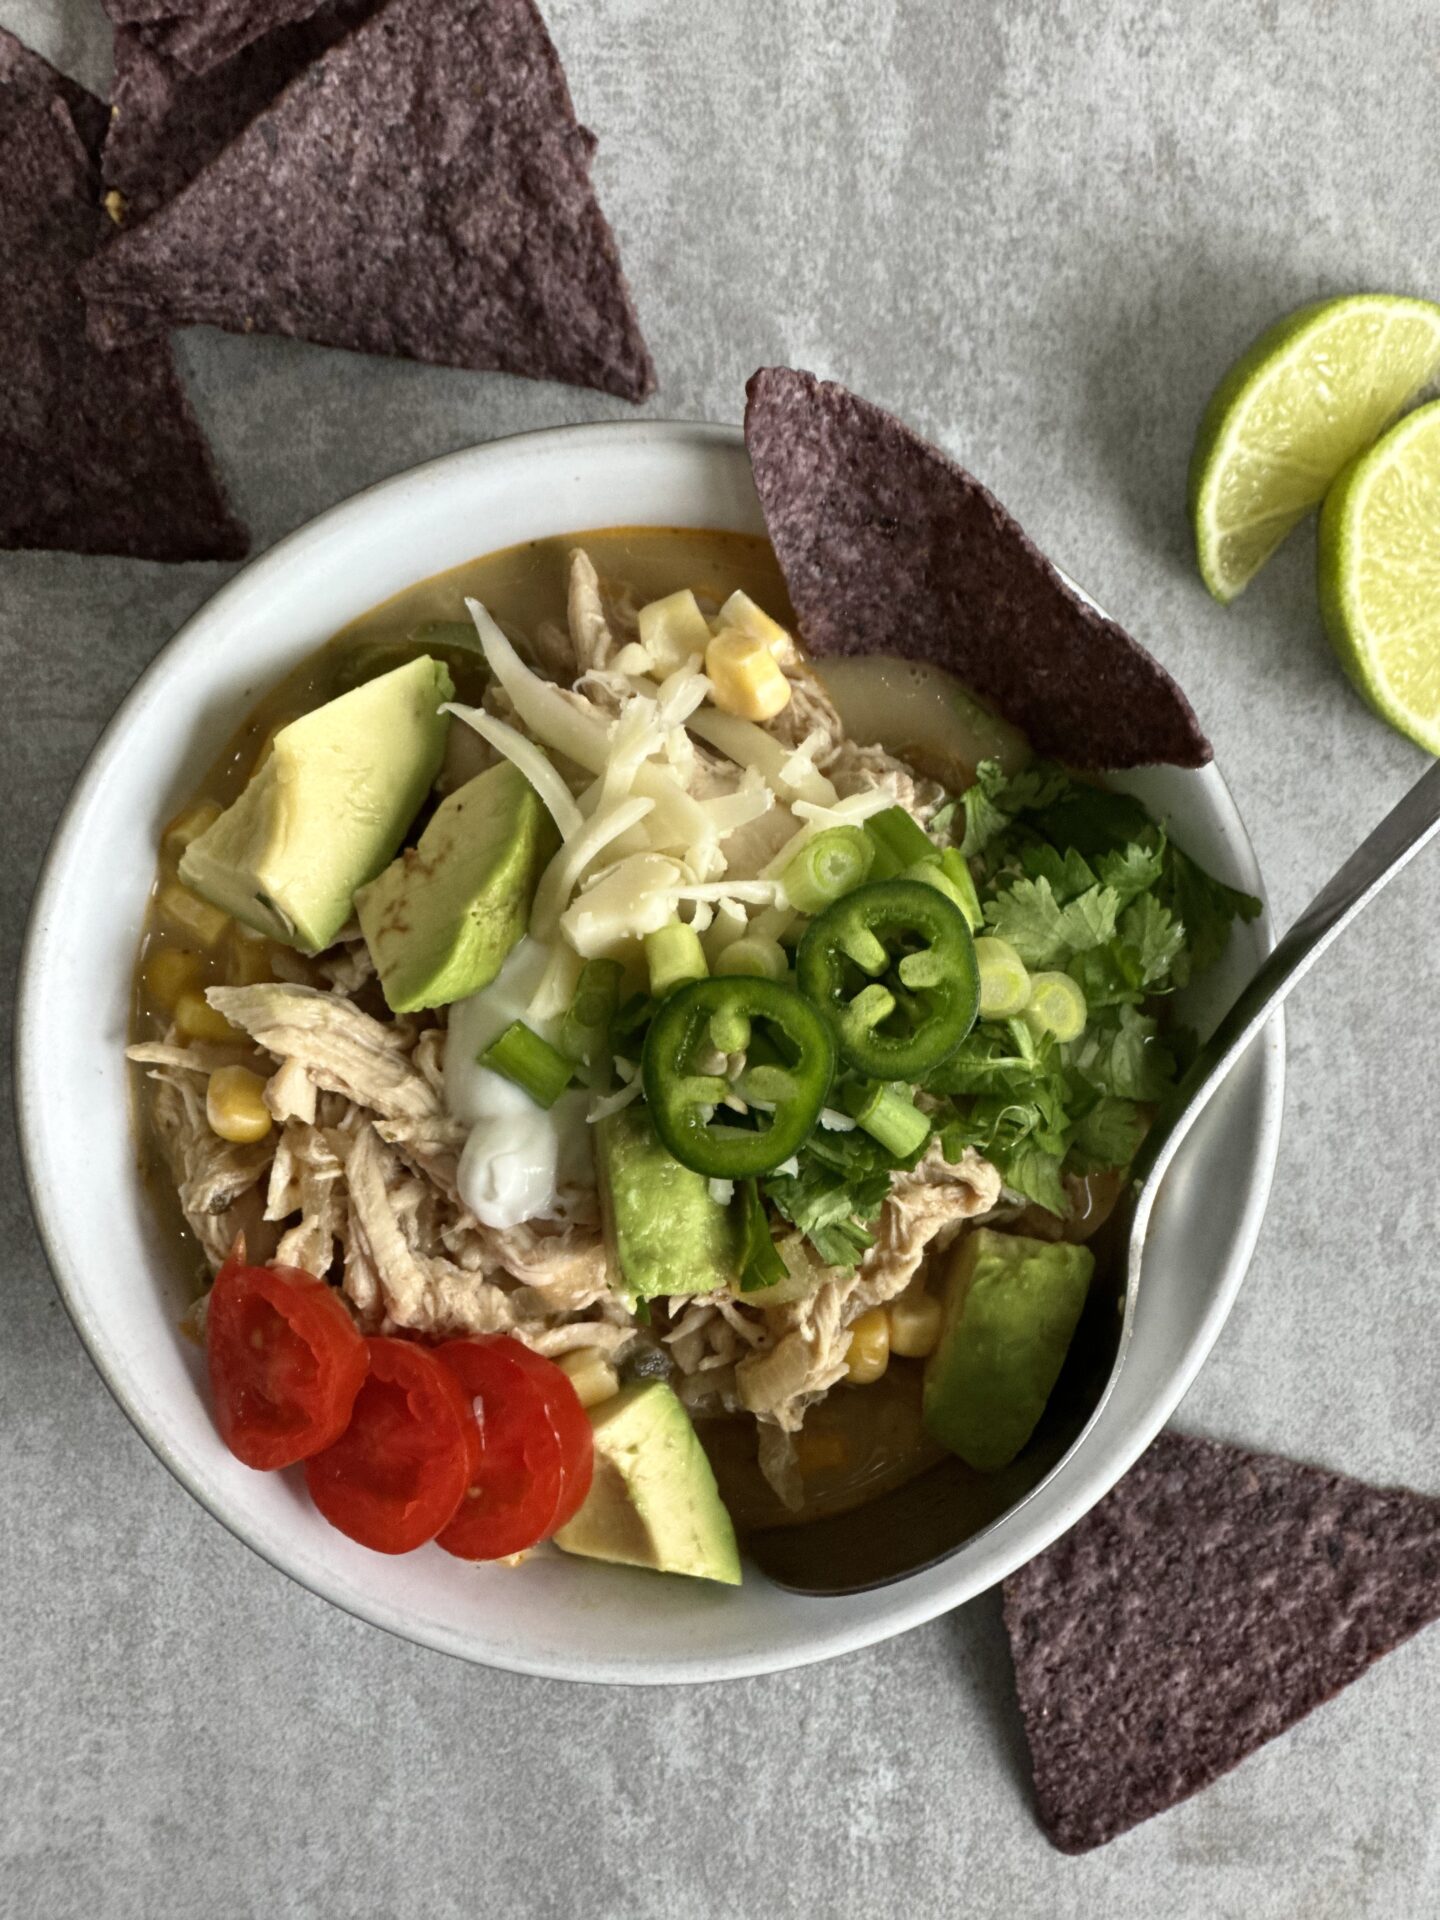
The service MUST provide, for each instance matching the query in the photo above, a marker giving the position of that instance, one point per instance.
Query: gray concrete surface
(1039, 230)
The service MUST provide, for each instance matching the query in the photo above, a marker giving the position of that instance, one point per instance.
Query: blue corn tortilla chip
(422, 189)
(1213, 1599)
(201, 34)
(888, 547)
(99, 453)
(168, 123)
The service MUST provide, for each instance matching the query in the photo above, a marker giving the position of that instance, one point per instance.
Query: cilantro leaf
(1029, 1170)
(1133, 869)
(1069, 874)
(1155, 938)
(1204, 907)
(1044, 933)
(985, 818)
(1127, 1058)
(842, 1182)
(1110, 1133)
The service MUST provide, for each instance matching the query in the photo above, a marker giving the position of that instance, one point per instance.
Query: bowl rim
(897, 1615)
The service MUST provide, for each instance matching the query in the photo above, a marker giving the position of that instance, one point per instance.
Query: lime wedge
(1380, 575)
(1313, 391)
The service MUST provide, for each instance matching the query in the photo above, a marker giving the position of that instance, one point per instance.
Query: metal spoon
(932, 1516)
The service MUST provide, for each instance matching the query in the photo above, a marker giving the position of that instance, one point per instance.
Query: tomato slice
(571, 1424)
(397, 1474)
(524, 1480)
(286, 1362)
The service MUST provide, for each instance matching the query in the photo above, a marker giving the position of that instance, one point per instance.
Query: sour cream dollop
(518, 1156)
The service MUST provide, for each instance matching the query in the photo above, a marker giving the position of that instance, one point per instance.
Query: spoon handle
(1398, 838)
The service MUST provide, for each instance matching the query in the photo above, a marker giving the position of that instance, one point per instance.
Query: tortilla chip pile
(99, 453)
(1208, 1603)
(410, 179)
(889, 547)
(400, 177)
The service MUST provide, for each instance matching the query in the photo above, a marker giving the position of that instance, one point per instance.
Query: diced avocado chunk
(665, 1230)
(328, 808)
(441, 918)
(1011, 1309)
(653, 1501)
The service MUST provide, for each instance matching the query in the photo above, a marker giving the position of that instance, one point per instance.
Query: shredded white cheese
(751, 746)
(531, 761)
(564, 872)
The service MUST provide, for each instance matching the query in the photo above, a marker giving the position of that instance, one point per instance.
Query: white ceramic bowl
(565, 1618)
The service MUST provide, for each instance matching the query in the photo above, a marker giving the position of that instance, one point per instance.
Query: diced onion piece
(531, 760)
(750, 746)
(722, 1192)
(632, 659)
(745, 676)
(673, 630)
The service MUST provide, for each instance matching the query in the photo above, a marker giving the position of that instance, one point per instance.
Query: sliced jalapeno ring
(790, 1062)
(898, 1016)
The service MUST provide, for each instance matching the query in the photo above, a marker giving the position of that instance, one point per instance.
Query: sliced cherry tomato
(571, 1424)
(524, 1483)
(398, 1472)
(286, 1362)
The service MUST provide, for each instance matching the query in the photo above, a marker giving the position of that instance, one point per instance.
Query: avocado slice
(441, 918)
(667, 1233)
(653, 1501)
(327, 809)
(1011, 1309)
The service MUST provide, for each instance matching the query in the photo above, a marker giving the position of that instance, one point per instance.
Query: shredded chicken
(590, 632)
(862, 769)
(342, 1049)
(923, 1213)
(212, 1176)
(307, 1177)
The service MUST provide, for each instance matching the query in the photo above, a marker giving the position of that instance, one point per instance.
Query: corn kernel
(190, 824)
(188, 910)
(198, 1020)
(235, 1105)
(591, 1375)
(915, 1324)
(169, 972)
(746, 679)
(672, 631)
(250, 961)
(868, 1353)
(741, 611)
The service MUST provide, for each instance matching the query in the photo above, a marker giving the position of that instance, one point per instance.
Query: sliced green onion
(956, 869)
(585, 1030)
(753, 955)
(1004, 979)
(888, 1115)
(832, 864)
(532, 1063)
(630, 1022)
(674, 956)
(900, 841)
(1056, 1006)
(761, 1262)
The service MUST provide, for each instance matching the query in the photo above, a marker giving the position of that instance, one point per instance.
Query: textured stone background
(1038, 230)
